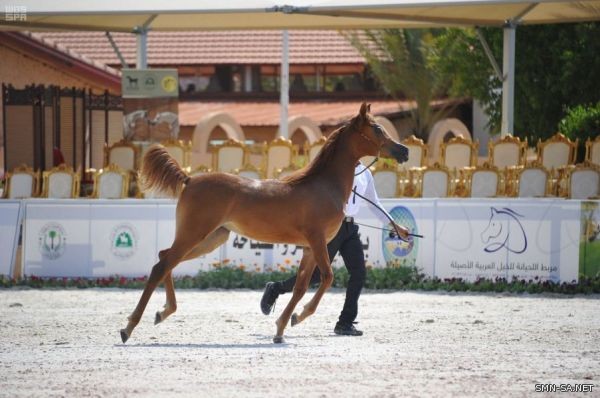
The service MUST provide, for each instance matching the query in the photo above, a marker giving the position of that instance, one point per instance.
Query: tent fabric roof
(126, 15)
(213, 47)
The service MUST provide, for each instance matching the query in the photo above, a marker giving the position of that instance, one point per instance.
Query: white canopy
(126, 15)
(139, 16)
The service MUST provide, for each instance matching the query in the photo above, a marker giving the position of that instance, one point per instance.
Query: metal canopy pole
(142, 49)
(508, 85)
(142, 43)
(284, 86)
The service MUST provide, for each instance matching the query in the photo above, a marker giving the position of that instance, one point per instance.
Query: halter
(378, 152)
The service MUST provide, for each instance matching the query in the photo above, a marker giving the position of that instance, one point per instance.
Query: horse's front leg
(322, 259)
(307, 266)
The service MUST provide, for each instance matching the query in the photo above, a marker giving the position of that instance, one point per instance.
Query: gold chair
(509, 151)
(592, 151)
(556, 152)
(199, 170)
(286, 171)
(458, 153)
(434, 182)
(60, 182)
(417, 152)
(250, 171)
(112, 182)
(312, 150)
(531, 180)
(386, 179)
(582, 182)
(178, 150)
(123, 154)
(229, 156)
(280, 153)
(21, 183)
(483, 181)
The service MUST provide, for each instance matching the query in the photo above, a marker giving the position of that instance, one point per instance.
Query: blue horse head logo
(504, 231)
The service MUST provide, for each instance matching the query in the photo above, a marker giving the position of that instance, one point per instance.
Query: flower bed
(400, 278)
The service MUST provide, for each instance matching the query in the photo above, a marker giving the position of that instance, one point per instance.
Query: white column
(318, 78)
(142, 49)
(508, 86)
(248, 78)
(284, 98)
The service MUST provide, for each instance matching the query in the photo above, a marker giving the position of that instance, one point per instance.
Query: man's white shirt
(365, 186)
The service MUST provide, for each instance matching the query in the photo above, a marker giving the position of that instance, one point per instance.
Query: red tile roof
(267, 113)
(40, 38)
(213, 47)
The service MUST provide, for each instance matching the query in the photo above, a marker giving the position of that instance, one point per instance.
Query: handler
(347, 242)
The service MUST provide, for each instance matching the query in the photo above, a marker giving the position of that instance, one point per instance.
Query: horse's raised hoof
(294, 320)
(278, 340)
(157, 318)
(124, 335)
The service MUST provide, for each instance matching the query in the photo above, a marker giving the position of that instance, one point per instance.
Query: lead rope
(387, 216)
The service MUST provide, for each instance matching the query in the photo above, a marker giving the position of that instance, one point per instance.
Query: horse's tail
(160, 172)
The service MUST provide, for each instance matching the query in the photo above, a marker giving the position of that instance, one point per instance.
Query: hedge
(400, 278)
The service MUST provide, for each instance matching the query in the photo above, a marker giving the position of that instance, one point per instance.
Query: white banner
(535, 239)
(469, 239)
(10, 223)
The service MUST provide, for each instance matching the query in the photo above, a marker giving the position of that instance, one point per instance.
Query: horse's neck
(339, 173)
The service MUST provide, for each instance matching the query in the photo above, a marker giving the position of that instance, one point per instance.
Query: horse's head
(494, 228)
(372, 140)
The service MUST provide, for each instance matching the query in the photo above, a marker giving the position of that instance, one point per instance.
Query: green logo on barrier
(52, 241)
(123, 241)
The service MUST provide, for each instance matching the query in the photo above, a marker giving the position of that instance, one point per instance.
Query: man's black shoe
(346, 329)
(269, 297)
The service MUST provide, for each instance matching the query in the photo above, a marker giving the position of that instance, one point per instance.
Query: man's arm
(371, 194)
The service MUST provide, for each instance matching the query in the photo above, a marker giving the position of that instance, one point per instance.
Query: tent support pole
(284, 85)
(508, 85)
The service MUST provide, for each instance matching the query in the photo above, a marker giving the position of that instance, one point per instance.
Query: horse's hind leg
(172, 257)
(307, 266)
(210, 243)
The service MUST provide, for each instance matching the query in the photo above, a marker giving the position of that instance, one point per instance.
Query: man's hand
(404, 232)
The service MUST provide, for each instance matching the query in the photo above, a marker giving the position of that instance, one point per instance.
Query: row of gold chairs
(531, 180)
(556, 152)
(62, 182)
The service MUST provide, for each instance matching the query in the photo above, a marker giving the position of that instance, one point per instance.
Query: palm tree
(398, 58)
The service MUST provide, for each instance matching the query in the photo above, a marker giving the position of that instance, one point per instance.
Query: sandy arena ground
(218, 344)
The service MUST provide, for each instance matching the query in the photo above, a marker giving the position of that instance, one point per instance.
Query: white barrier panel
(10, 222)
(89, 238)
(527, 239)
(523, 239)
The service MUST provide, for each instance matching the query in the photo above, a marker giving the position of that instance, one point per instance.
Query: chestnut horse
(305, 208)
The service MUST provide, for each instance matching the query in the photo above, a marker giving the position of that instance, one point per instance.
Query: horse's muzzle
(400, 153)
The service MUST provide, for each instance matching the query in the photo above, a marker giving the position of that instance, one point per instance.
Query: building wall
(20, 68)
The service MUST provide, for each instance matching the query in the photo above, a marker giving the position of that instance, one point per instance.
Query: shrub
(581, 122)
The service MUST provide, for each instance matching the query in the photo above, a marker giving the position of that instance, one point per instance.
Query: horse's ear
(494, 211)
(364, 109)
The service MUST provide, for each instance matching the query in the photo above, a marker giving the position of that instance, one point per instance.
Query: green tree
(557, 67)
(399, 60)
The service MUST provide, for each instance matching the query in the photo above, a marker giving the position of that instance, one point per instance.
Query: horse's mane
(322, 159)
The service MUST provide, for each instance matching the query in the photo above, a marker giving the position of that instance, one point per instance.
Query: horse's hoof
(124, 335)
(278, 340)
(294, 320)
(157, 318)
